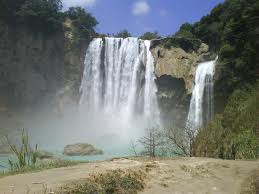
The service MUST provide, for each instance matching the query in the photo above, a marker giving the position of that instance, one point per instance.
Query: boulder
(42, 154)
(81, 149)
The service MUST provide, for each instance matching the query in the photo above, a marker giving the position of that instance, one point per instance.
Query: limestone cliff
(176, 60)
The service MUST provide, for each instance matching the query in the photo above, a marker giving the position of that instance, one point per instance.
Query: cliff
(176, 60)
(40, 70)
(37, 68)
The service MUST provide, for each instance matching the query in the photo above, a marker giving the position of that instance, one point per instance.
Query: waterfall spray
(119, 82)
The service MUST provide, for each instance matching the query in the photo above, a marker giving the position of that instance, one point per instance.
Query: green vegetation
(185, 31)
(25, 155)
(123, 34)
(46, 16)
(41, 166)
(41, 13)
(82, 21)
(111, 182)
(232, 135)
(187, 44)
(230, 30)
(26, 158)
(150, 36)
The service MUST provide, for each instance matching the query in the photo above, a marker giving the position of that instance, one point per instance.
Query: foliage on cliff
(150, 36)
(123, 34)
(82, 21)
(232, 135)
(231, 30)
(46, 16)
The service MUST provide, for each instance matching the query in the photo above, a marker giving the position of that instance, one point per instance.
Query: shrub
(123, 34)
(41, 14)
(150, 36)
(111, 182)
(232, 135)
(83, 22)
(25, 155)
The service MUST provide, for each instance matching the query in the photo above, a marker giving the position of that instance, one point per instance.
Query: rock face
(36, 69)
(42, 154)
(81, 149)
(176, 60)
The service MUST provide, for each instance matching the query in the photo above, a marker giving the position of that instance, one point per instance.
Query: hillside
(232, 31)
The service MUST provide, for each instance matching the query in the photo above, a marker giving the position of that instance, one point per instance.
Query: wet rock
(81, 149)
(42, 154)
(176, 60)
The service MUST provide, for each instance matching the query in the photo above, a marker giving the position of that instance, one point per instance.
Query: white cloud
(78, 3)
(140, 8)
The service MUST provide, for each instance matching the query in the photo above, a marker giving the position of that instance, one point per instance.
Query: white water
(118, 90)
(201, 107)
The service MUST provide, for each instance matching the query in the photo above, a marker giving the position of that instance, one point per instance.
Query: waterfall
(118, 84)
(201, 107)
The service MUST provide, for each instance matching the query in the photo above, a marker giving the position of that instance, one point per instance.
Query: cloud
(140, 8)
(78, 3)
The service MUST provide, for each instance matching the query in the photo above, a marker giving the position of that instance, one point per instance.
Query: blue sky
(139, 16)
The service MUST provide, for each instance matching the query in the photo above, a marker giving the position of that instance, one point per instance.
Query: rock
(34, 66)
(206, 57)
(41, 154)
(203, 49)
(81, 149)
(176, 60)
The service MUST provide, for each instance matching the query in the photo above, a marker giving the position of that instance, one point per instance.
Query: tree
(9, 8)
(123, 34)
(83, 22)
(41, 14)
(151, 141)
(185, 31)
(231, 31)
(150, 36)
(134, 147)
(182, 140)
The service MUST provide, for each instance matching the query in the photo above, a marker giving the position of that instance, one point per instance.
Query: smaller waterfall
(202, 104)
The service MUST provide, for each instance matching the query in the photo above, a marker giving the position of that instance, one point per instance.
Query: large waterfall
(201, 107)
(118, 86)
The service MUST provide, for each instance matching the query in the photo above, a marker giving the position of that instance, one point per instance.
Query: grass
(25, 154)
(40, 167)
(110, 182)
(26, 158)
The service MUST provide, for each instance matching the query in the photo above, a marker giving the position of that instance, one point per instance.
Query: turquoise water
(108, 154)
(4, 164)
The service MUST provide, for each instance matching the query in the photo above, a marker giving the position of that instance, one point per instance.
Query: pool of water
(108, 154)
(4, 164)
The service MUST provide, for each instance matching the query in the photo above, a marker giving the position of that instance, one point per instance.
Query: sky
(139, 16)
